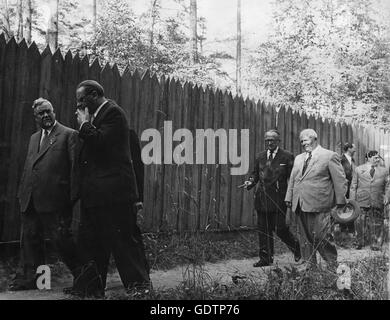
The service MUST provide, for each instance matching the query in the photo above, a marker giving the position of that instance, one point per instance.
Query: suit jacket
(348, 170)
(367, 191)
(321, 186)
(138, 165)
(106, 172)
(271, 181)
(49, 175)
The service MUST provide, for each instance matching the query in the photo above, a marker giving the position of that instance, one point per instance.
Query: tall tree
(94, 15)
(29, 21)
(52, 29)
(238, 54)
(5, 20)
(19, 34)
(194, 34)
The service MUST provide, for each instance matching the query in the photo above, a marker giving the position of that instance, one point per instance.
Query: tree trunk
(19, 35)
(29, 21)
(238, 55)
(153, 15)
(5, 19)
(194, 35)
(52, 29)
(94, 15)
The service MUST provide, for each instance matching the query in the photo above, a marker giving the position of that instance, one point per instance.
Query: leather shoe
(262, 263)
(297, 254)
(20, 284)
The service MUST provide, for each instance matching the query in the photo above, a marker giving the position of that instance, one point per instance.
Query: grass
(369, 278)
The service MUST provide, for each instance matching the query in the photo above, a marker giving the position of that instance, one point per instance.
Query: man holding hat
(370, 188)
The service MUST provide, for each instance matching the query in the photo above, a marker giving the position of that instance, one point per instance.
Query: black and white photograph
(208, 151)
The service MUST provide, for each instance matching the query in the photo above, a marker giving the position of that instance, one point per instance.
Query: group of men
(93, 168)
(306, 189)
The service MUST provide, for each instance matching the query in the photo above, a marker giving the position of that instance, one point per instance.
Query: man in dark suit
(271, 173)
(46, 195)
(348, 163)
(108, 192)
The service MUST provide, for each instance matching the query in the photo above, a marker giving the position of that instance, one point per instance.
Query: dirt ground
(221, 272)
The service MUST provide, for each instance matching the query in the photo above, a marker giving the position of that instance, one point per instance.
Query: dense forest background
(327, 57)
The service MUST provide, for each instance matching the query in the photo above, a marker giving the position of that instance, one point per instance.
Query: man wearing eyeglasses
(46, 195)
(271, 173)
(370, 188)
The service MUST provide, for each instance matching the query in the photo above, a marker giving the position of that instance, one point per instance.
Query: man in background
(370, 188)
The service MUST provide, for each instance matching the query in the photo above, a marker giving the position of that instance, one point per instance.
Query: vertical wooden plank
(146, 120)
(20, 108)
(202, 167)
(247, 208)
(135, 101)
(170, 201)
(326, 133)
(94, 71)
(56, 87)
(10, 69)
(338, 138)
(296, 129)
(193, 176)
(156, 112)
(288, 134)
(226, 105)
(332, 135)
(126, 97)
(45, 80)
(68, 117)
(236, 196)
(282, 126)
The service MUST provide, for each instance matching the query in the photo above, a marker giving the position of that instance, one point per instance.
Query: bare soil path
(221, 272)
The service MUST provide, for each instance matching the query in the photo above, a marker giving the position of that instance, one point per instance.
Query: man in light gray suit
(316, 184)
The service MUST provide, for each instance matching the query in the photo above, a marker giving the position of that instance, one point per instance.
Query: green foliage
(329, 58)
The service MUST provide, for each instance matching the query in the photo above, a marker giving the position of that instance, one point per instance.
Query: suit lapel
(100, 115)
(278, 155)
(52, 139)
(311, 164)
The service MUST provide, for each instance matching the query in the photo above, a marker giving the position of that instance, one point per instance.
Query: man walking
(370, 188)
(316, 184)
(271, 172)
(46, 195)
(108, 192)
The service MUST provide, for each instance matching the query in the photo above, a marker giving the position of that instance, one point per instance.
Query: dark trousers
(268, 223)
(317, 228)
(113, 230)
(38, 226)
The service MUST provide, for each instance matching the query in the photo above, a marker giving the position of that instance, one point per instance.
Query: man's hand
(340, 206)
(82, 116)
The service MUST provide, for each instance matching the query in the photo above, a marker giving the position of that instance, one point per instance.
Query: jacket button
(85, 162)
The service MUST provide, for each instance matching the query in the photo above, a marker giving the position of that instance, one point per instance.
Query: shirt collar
(49, 130)
(313, 152)
(98, 109)
(273, 153)
(349, 158)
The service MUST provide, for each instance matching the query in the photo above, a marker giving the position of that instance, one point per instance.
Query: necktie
(306, 163)
(269, 160)
(372, 171)
(44, 140)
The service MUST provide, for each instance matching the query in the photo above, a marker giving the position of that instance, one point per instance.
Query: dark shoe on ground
(358, 246)
(297, 255)
(262, 263)
(21, 284)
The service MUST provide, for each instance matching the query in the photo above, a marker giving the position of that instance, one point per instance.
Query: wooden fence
(177, 197)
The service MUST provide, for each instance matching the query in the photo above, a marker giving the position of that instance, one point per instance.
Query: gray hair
(41, 101)
(308, 133)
